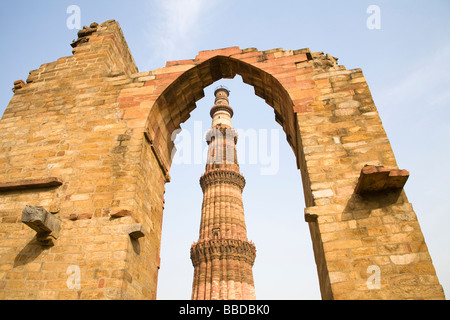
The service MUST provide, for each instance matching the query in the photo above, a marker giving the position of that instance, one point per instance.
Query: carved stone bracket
(136, 231)
(44, 223)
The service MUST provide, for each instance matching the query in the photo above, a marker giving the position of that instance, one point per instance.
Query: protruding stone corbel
(18, 84)
(83, 34)
(379, 178)
(45, 224)
(136, 231)
(121, 213)
(30, 184)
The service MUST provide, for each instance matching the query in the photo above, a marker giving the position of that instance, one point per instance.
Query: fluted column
(223, 257)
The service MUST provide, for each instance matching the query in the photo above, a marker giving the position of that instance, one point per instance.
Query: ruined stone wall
(88, 138)
(356, 231)
(65, 122)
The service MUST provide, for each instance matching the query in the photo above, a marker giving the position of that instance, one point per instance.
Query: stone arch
(94, 145)
(179, 98)
(268, 72)
(333, 127)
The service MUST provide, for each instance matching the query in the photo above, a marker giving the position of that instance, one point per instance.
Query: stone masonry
(85, 146)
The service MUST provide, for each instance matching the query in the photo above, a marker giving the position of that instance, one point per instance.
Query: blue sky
(406, 64)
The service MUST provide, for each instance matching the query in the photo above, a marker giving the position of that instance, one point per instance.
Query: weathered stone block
(136, 231)
(378, 178)
(18, 84)
(30, 184)
(121, 213)
(45, 224)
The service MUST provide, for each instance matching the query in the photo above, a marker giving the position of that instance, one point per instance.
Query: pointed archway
(176, 102)
(102, 129)
(333, 128)
(284, 267)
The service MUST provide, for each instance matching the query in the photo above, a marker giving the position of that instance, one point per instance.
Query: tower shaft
(223, 257)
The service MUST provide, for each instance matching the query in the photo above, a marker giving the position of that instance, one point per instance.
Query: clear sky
(406, 63)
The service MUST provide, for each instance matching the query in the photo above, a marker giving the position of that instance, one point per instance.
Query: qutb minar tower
(223, 257)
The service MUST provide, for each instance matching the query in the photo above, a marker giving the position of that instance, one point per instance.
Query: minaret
(223, 257)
